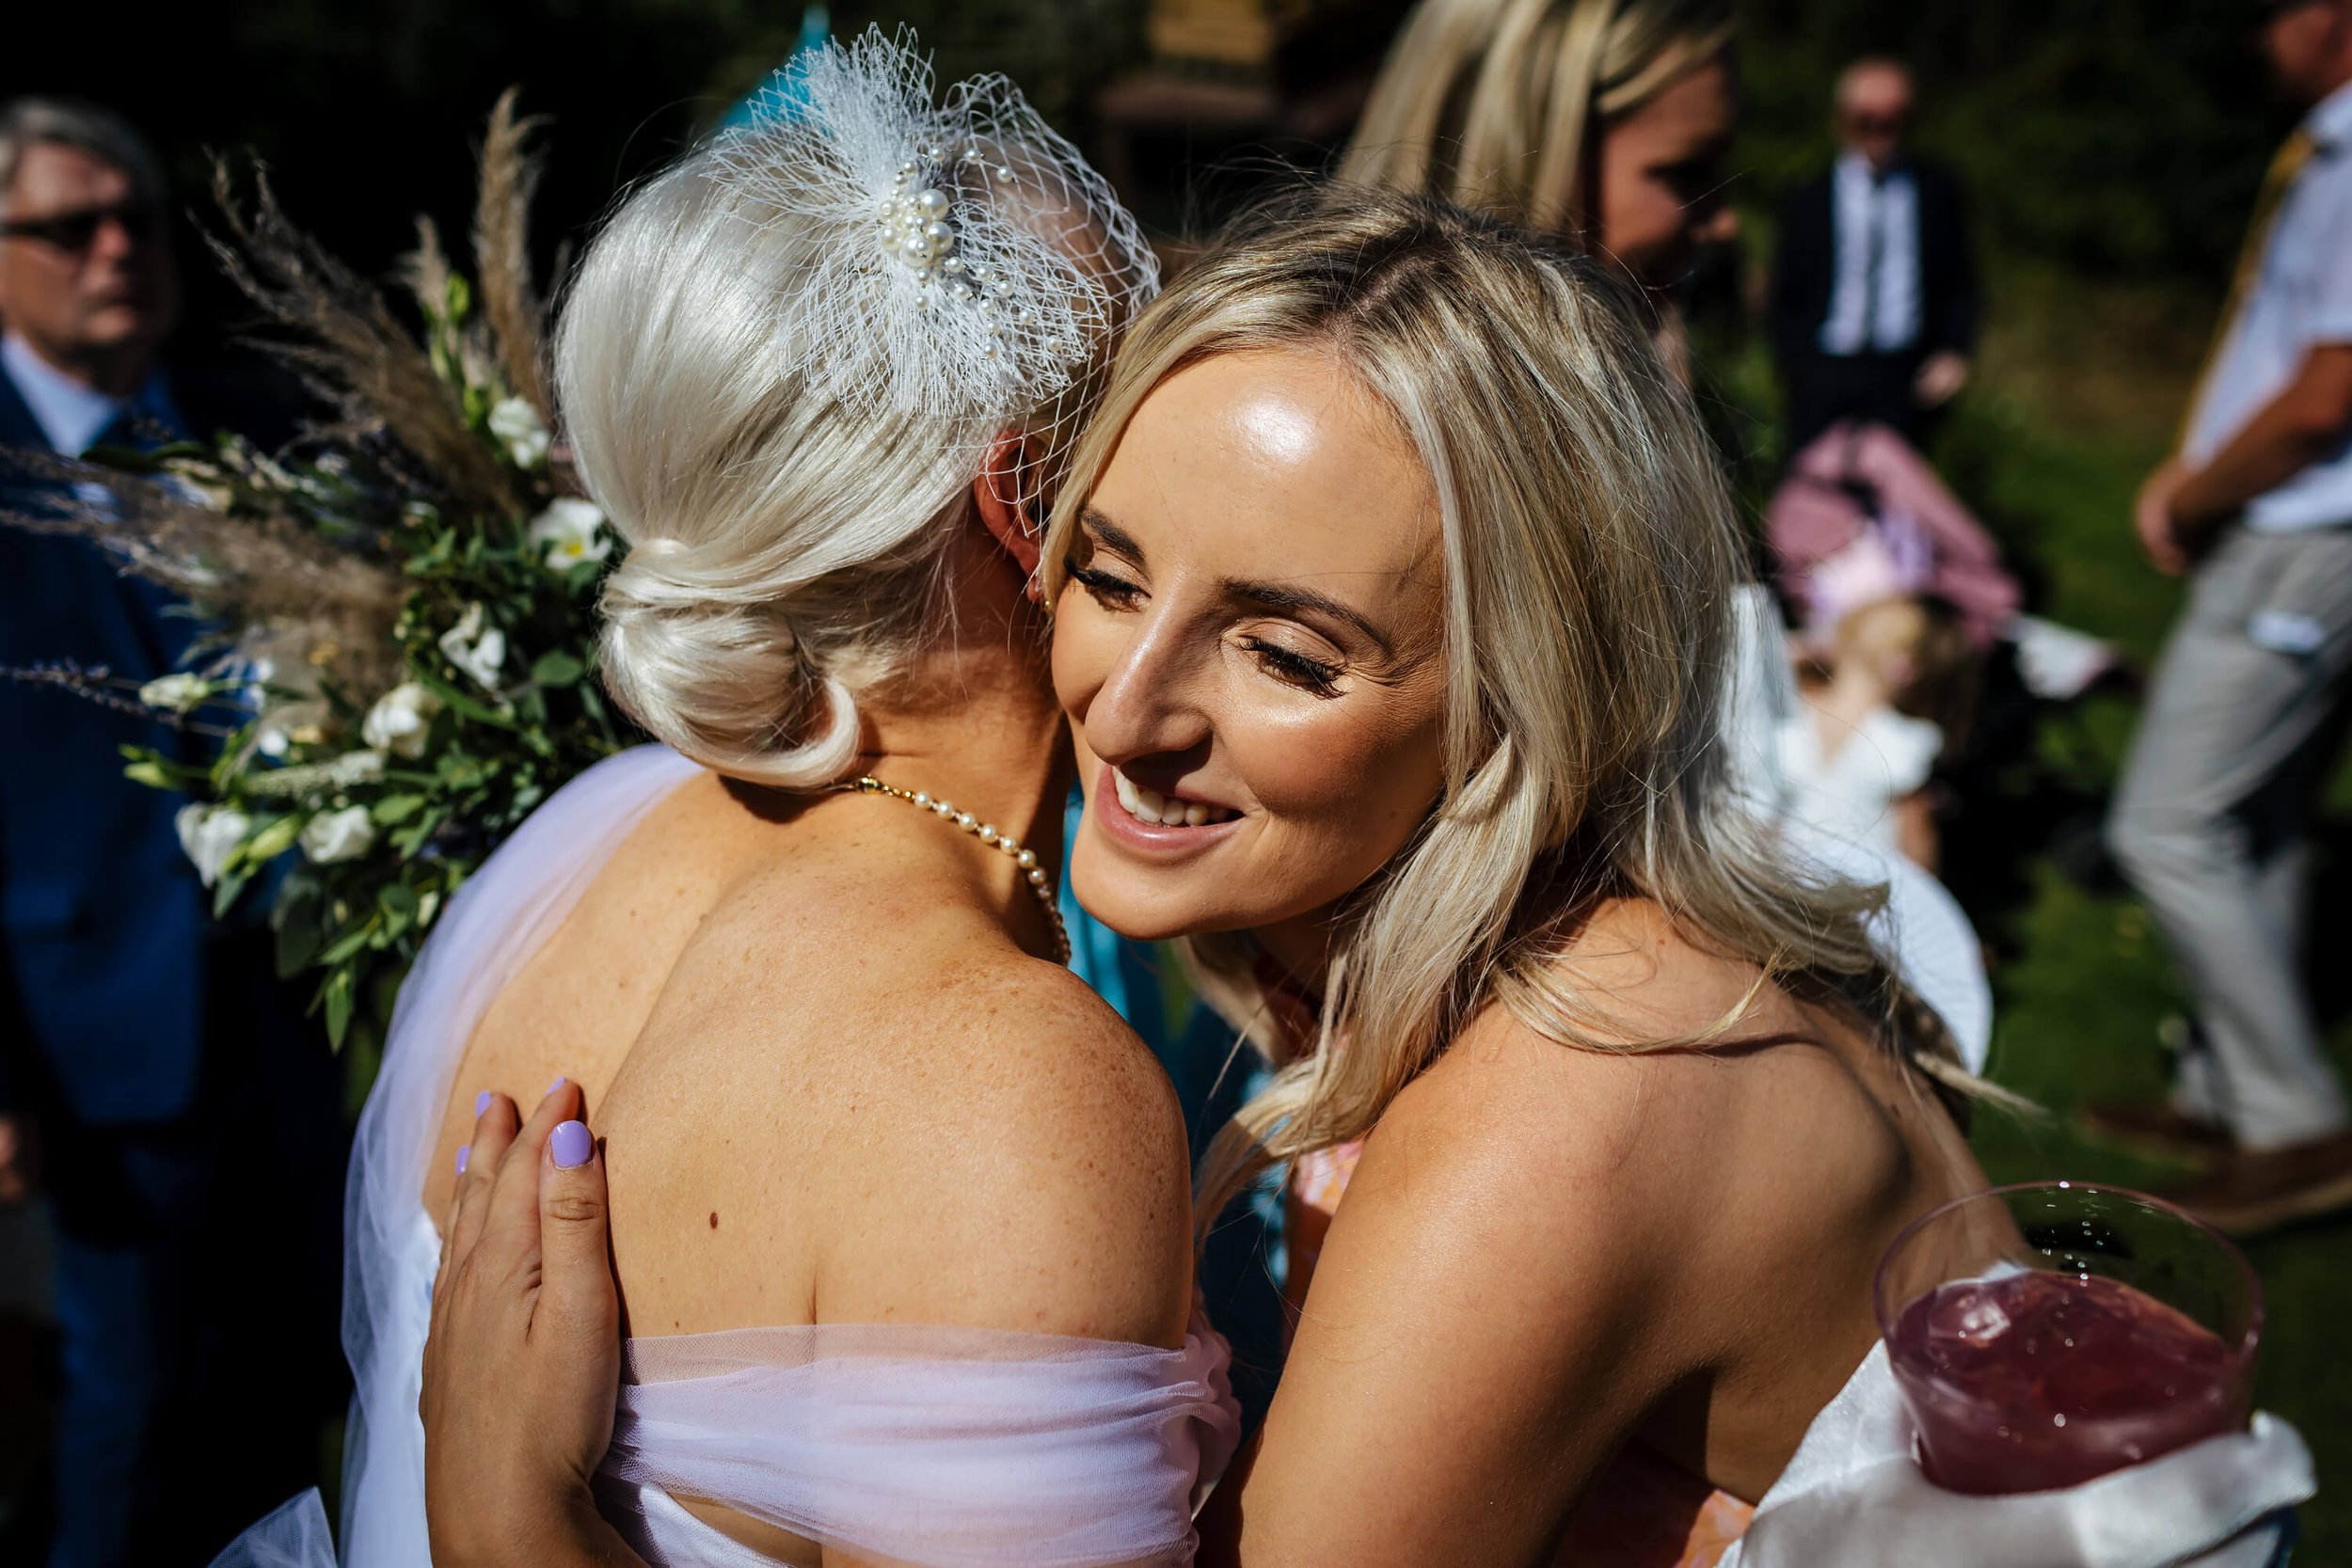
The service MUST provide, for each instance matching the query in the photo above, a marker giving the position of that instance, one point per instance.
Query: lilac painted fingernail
(557, 1084)
(464, 1153)
(481, 1104)
(571, 1144)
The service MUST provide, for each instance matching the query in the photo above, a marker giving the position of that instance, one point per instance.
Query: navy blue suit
(104, 921)
(190, 1120)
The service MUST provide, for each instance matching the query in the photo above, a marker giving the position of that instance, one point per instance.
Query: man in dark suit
(157, 1088)
(1873, 307)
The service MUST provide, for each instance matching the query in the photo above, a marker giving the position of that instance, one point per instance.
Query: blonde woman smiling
(1402, 561)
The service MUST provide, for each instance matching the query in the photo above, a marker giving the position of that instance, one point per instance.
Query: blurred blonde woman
(1605, 123)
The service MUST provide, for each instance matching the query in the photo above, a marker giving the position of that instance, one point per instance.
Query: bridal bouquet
(399, 609)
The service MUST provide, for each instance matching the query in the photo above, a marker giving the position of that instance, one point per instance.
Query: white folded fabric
(1854, 1494)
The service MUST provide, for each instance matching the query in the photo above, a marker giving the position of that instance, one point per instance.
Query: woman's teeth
(1150, 806)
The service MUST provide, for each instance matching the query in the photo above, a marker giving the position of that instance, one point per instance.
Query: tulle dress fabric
(927, 1447)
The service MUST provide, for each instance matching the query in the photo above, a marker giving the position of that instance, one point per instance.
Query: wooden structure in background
(1260, 79)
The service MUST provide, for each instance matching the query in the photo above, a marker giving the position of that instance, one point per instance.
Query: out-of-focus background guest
(1858, 763)
(1873, 307)
(153, 1075)
(2211, 821)
(1605, 121)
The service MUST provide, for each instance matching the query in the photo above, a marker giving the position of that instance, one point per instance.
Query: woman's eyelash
(1101, 584)
(1314, 674)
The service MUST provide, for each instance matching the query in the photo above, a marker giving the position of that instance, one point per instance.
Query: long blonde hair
(1492, 104)
(1590, 565)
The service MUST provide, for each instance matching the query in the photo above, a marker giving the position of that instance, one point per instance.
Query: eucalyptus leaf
(460, 703)
(350, 943)
(338, 997)
(298, 934)
(226, 890)
(395, 809)
(557, 667)
(275, 838)
(126, 460)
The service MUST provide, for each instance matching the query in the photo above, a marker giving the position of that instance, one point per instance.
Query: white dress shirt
(72, 415)
(2301, 299)
(1874, 303)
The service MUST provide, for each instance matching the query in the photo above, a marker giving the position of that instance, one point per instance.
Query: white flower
(190, 480)
(179, 694)
(338, 835)
(573, 531)
(209, 834)
(513, 421)
(272, 742)
(476, 647)
(400, 719)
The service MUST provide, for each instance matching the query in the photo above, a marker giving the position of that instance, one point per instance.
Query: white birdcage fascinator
(996, 266)
(786, 357)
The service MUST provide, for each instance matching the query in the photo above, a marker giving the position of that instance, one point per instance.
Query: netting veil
(979, 269)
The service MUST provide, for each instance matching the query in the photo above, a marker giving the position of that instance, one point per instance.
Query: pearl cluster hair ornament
(915, 228)
(999, 264)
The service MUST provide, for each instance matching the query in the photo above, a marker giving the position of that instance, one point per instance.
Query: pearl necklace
(1040, 884)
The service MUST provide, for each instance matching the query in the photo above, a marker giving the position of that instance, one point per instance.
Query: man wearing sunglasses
(87, 285)
(151, 1070)
(1873, 304)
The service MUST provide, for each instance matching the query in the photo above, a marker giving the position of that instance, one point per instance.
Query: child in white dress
(1857, 765)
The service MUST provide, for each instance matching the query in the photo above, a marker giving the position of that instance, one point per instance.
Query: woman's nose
(1148, 703)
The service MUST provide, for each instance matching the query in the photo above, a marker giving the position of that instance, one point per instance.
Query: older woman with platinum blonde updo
(876, 1158)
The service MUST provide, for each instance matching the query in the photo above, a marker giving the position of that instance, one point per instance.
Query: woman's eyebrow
(1277, 595)
(1110, 535)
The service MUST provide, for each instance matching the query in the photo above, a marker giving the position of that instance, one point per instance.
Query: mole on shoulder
(714, 1219)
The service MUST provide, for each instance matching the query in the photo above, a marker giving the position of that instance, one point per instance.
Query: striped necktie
(2292, 154)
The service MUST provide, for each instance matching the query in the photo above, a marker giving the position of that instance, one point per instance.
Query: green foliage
(394, 798)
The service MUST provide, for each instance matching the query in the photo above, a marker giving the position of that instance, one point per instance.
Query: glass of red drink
(2047, 1332)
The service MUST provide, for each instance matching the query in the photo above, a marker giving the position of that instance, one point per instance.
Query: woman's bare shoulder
(1763, 1127)
(930, 1125)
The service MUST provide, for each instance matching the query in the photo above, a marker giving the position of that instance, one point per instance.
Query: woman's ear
(996, 496)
